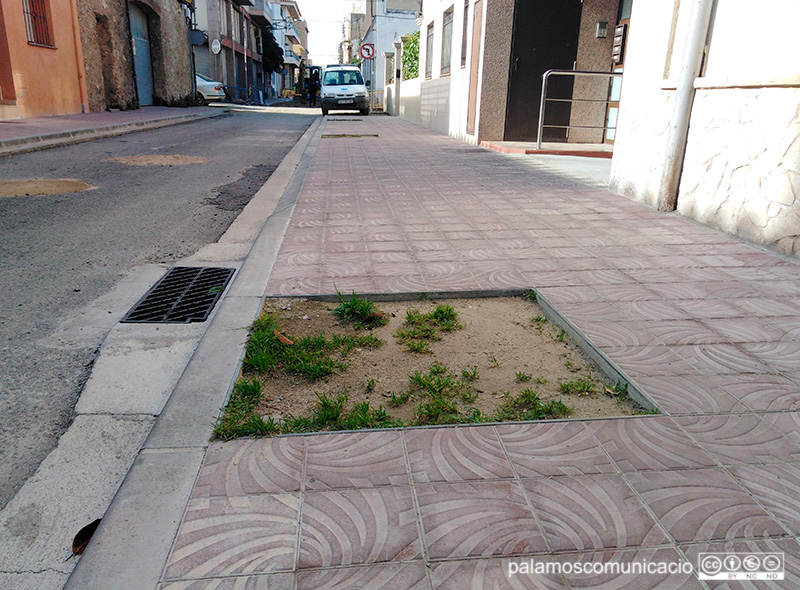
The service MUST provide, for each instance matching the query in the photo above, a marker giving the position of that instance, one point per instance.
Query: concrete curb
(133, 542)
(39, 142)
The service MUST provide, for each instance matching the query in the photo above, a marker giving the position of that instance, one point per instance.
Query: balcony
(242, 2)
(292, 8)
(260, 13)
(290, 58)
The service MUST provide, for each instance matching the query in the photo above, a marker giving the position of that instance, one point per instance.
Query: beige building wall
(741, 171)
(496, 47)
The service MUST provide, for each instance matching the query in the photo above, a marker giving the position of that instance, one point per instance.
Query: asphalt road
(60, 253)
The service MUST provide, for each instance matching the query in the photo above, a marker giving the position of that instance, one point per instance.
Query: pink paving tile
(777, 488)
(484, 518)
(672, 332)
(364, 526)
(228, 536)
(625, 569)
(773, 393)
(767, 306)
(720, 358)
(397, 576)
(651, 310)
(456, 454)
(355, 459)
(591, 512)
(499, 277)
(787, 423)
(495, 574)
(617, 335)
(360, 284)
(702, 504)
(264, 582)
(648, 443)
(709, 309)
(592, 312)
(743, 438)
(626, 292)
(745, 329)
(559, 296)
(689, 394)
(638, 361)
(788, 547)
(559, 448)
(251, 466)
(779, 356)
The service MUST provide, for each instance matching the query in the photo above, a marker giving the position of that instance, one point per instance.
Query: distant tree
(411, 57)
(272, 54)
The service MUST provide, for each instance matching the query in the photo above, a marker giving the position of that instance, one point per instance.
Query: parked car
(343, 89)
(208, 90)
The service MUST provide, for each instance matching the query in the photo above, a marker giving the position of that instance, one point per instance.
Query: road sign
(216, 46)
(367, 51)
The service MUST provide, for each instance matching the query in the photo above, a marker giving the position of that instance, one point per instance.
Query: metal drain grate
(184, 295)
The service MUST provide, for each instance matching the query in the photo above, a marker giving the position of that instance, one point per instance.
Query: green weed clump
(239, 417)
(362, 313)
(583, 387)
(438, 392)
(527, 406)
(420, 329)
(309, 356)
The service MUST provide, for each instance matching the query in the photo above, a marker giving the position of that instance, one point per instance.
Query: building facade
(41, 63)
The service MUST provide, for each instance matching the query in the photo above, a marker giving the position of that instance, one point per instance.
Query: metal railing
(546, 77)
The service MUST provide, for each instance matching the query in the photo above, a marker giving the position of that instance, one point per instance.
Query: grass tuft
(420, 329)
(362, 313)
(527, 406)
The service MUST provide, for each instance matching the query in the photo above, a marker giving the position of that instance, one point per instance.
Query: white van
(343, 89)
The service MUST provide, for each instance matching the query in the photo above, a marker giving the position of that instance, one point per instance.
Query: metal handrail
(545, 78)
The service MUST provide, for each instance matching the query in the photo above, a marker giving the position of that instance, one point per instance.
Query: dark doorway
(545, 38)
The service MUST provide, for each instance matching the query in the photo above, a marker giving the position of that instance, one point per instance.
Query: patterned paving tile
(267, 582)
(404, 576)
(779, 356)
(648, 443)
(359, 459)
(363, 526)
(477, 519)
(787, 423)
(639, 361)
(248, 466)
(561, 448)
(456, 454)
(591, 512)
(617, 335)
(228, 536)
(773, 393)
(743, 438)
(495, 574)
(689, 394)
(702, 504)
(628, 576)
(777, 488)
(674, 332)
(719, 359)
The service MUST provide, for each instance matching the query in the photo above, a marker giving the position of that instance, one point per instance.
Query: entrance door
(545, 37)
(141, 55)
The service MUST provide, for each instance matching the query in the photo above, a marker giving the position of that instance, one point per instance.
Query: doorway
(140, 37)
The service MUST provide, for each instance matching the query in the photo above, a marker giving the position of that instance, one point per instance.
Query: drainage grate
(184, 295)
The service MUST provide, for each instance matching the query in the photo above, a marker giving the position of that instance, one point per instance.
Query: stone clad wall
(742, 165)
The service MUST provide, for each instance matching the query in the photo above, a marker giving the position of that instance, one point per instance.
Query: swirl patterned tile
(493, 574)
(763, 393)
(560, 448)
(265, 582)
(629, 560)
(359, 284)
(295, 286)
(740, 330)
(391, 258)
(738, 439)
(623, 292)
(481, 518)
(689, 394)
(616, 335)
(456, 454)
(779, 356)
(703, 505)
(767, 306)
(497, 278)
(254, 466)
(651, 310)
(777, 488)
(719, 359)
(361, 526)
(592, 512)
(787, 423)
(594, 311)
(682, 332)
(409, 283)
(709, 309)
(649, 361)
(405, 576)
(648, 443)
(572, 295)
(355, 459)
(228, 536)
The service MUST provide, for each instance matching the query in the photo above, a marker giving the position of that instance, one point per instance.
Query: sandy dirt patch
(42, 186)
(159, 160)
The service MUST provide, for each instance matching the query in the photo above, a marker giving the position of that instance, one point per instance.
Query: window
(464, 35)
(429, 52)
(37, 25)
(447, 41)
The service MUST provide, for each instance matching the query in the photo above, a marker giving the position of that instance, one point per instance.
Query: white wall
(741, 170)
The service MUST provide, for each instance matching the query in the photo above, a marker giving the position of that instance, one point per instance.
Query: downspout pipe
(682, 105)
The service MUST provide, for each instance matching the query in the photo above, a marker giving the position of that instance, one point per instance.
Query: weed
(539, 319)
(530, 295)
(439, 391)
(419, 346)
(493, 362)
(470, 374)
(330, 413)
(646, 412)
(238, 418)
(582, 387)
(539, 380)
(362, 313)
(523, 377)
(420, 329)
(469, 397)
(527, 406)
(371, 385)
(398, 400)
(561, 336)
(424, 296)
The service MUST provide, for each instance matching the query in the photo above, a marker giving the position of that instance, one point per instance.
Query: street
(60, 253)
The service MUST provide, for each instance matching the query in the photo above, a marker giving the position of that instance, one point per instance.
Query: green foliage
(362, 313)
(420, 328)
(411, 57)
(583, 386)
(522, 377)
(470, 374)
(272, 56)
(527, 406)
(239, 417)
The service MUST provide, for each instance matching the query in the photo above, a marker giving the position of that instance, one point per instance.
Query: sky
(324, 18)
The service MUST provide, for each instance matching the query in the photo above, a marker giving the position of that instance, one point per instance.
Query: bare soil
(499, 338)
(42, 186)
(159, 160)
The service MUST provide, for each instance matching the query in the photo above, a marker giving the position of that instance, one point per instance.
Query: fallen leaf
(83, 537)
(281, 338)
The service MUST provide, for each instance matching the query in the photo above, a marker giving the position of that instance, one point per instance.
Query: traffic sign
(367, 51)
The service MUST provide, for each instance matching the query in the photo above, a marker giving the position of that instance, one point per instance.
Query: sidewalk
(22, 135)
(706, 326)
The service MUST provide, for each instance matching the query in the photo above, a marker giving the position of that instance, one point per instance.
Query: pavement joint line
(23, 145)
(101, 562)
